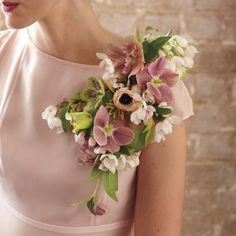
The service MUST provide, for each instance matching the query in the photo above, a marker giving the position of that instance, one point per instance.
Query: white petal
(181, 41)
(174, 119)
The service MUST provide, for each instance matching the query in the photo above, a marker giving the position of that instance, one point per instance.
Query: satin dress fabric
(40, 175)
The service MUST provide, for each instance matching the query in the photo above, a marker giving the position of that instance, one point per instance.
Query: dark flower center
(125, 99)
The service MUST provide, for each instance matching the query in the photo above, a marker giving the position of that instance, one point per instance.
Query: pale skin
(72, 32)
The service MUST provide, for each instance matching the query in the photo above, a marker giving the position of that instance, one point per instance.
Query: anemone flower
(110, 136)
(128, 59)
(158, 81)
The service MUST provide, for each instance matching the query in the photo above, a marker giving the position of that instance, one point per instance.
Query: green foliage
(149, 29)
(91, 204)
(151, 49)
(96, 173)
(92, 95)
(144, 134)
(65, 123)
(150, 131)
(163, 110)
(110, 181)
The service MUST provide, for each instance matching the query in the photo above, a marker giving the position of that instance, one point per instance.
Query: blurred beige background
(210, 196)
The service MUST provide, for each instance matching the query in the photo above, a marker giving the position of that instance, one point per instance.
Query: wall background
(210, 196)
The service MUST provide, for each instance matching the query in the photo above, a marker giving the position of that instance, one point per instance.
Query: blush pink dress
(39, 173)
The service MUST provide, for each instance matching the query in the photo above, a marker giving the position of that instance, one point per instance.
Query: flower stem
(96, 188)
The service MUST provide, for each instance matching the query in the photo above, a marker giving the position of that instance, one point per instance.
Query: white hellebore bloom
(125, 161)
(109, 162)
(49, 114)
(181, 41)
(80, 138)
(143, 113)
(133, 160)
(165, 127)
(110, 70)
(108, 64)
(121, 162)
(176, 65)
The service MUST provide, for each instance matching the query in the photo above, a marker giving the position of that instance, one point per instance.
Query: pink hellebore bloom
(87, 153)
(129, 59)
(158, 81)
(110, 136)
(99, 209)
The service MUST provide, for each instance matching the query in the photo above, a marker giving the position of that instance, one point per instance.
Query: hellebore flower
(129, 59)
(100, 209)
(110, 136)
(49, 114)
(87, 154)
(79, 120)
(158, 81)
(109, 162)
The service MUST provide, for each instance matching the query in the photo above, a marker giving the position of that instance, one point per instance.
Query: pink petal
(126, 70)
(143, 77)
(157, 67)
(111, 146)
(101, 117)
(99, 135)
(115, 52)
(154, 92)
(99, 210)
(136, 68)
(169, 77)
(118, 122)
(122, 136)
(167, 94)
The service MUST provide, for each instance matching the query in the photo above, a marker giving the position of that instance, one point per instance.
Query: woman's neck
(72, 32)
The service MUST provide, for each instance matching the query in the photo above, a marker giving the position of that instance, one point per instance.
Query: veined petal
(101, 117)
(111, 146)
(122, 135)
(154, 92)
(118, 122)
(156, 67)
(169, 77)
(143, 77)
(99, 135)
(166, 94)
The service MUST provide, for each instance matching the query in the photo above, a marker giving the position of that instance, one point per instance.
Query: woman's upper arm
(160, 186)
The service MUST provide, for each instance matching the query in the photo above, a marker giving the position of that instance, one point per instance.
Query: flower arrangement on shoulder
(135, 91)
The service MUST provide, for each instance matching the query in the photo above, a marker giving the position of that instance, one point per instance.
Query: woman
(49, 52)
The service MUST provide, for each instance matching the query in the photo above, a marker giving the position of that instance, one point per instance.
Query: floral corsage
(116, 116)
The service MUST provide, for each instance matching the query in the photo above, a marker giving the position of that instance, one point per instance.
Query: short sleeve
(183, 103)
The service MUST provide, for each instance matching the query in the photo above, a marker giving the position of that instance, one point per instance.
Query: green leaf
(96, 173)
(163, 110)
(139, 140)
(91, 204)
(107, 97)
(65, 123)
(149, 28)
(143, 136)
(170, 33)
(151, 49)
(138, 36)
(150, 131)
(110, 181)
